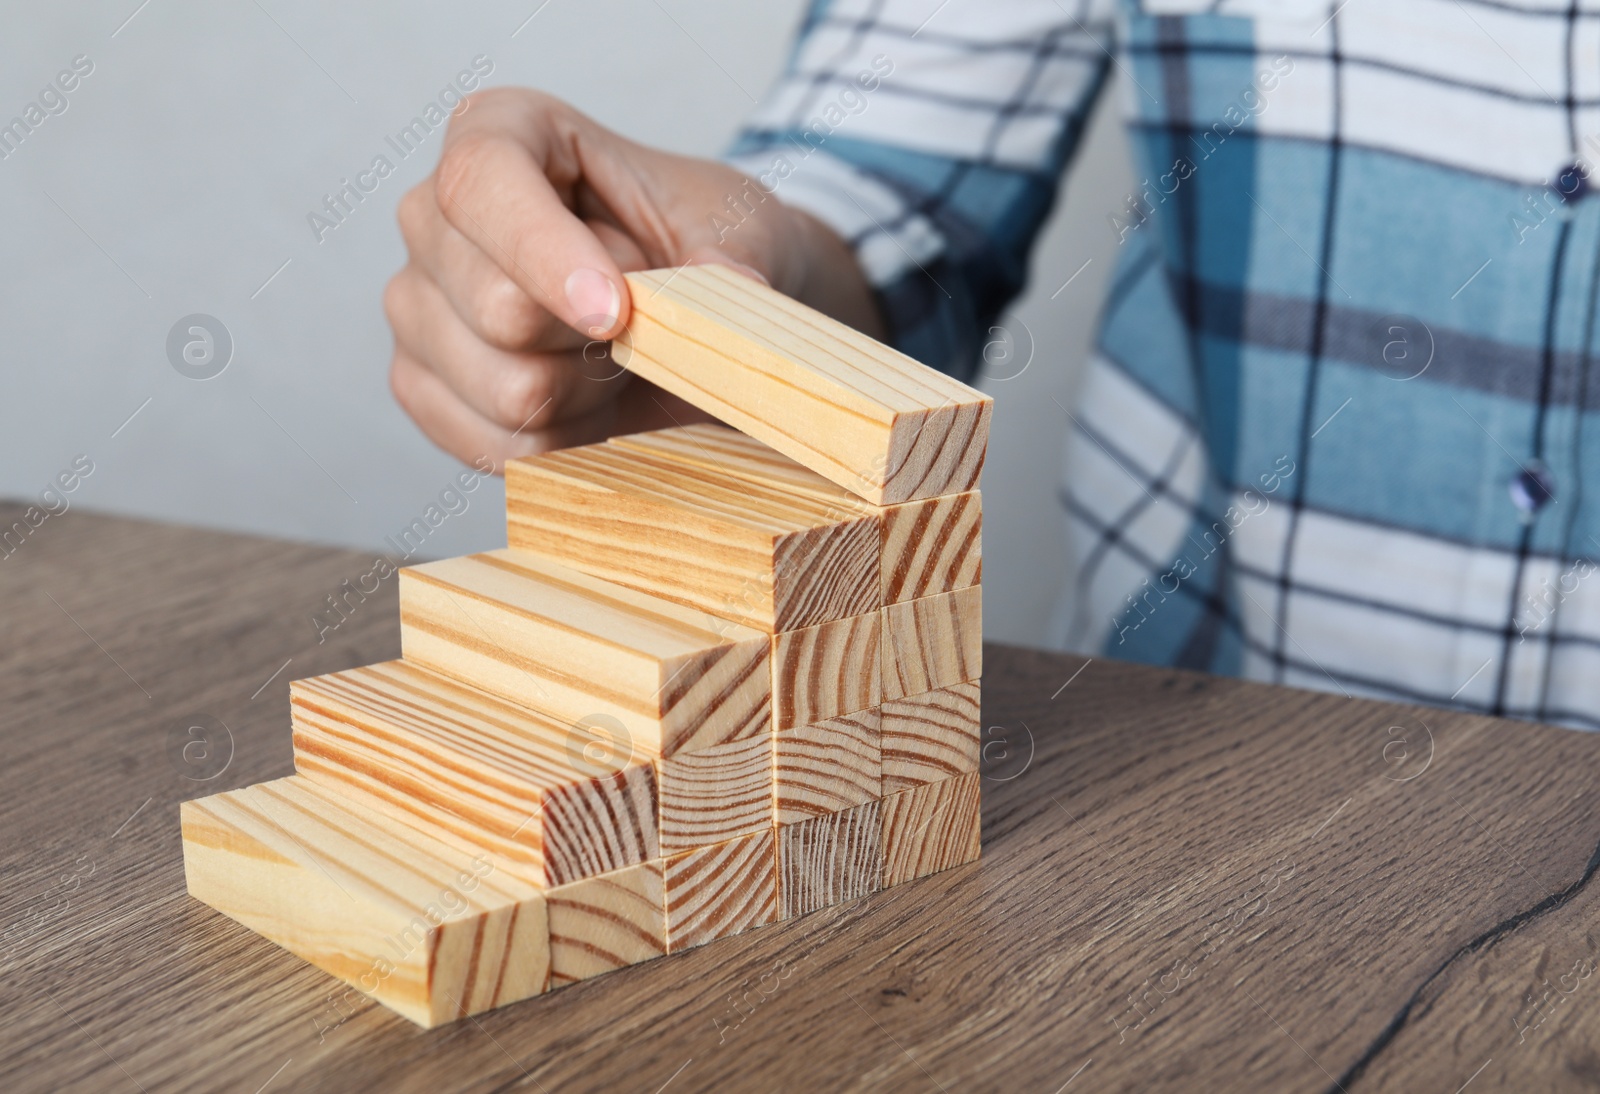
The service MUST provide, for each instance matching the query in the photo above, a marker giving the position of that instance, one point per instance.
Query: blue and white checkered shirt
(1333, 431)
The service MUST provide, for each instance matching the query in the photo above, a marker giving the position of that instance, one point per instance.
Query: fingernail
(595, 301)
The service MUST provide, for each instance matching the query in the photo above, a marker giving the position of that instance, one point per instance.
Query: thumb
(715, 256)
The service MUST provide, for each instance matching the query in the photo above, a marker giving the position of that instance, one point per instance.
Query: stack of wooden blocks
(718, 679)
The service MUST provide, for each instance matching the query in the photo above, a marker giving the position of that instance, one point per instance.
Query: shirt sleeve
(932, 139)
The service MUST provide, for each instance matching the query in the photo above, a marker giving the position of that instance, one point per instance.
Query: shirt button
(1532, 488)
(1573, 182)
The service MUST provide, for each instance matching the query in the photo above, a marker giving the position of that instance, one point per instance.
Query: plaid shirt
(1333, 431)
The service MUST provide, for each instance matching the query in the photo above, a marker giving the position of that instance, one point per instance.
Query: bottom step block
(714, 892)
(930, 828)
(436, 933)
(427, 930)
(606, 922)
(829, 860)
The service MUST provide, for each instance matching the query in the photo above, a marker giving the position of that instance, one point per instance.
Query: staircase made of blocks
(718, 679)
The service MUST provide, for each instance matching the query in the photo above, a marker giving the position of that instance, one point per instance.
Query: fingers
(715, 256)
(490, 303)
(467, 435)
(511, 390)
(495, 186)
(518, 243)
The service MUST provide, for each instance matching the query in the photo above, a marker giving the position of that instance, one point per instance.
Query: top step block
(856, 412)
(753, 552)
(928, 547)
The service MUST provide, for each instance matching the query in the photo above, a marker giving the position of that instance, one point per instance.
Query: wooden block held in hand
(426, 930)
(827, 767)
(828, 860)
(827, 670)
(930, 737)
(603, 923)
(932, 546)
(932, 642)
(930, 828)
(545, 636)
(856, 412)
(760, 554)
(476, 772)
(717, 891)
(715, 794)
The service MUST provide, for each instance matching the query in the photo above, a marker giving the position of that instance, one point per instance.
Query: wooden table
(1188, 883)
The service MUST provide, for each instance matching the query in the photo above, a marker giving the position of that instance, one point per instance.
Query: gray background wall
(178, 181)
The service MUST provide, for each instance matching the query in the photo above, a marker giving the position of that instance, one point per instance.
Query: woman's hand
(518, 242)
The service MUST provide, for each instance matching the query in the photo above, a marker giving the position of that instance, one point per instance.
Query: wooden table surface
(1187, 883)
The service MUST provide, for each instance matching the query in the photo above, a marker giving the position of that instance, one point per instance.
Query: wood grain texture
(606, 922)
(827, 670)
(830, 859)
(1519, 997)
(933, 736)
(859, 414)
(726, 451)
(547, 637)
(929, 828)
(715, 794)
(1144, 822)
(932, 546)
(827, 767)
(475, 772)
(430, 932)
(932, 643)
(929, 546)
(760, 554)
(717, 891)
